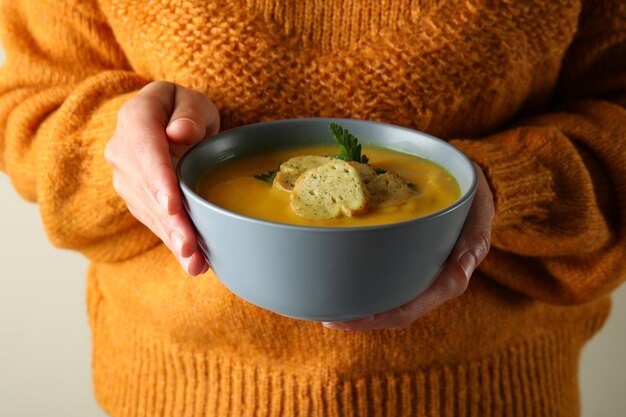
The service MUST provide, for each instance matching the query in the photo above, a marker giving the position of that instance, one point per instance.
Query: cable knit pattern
(533, 91)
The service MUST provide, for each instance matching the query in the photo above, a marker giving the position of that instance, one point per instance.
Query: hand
(471, 248)
(154, 129)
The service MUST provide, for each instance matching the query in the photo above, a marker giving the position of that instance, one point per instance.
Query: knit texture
(533, 91)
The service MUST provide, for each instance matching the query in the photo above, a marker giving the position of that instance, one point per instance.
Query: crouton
(329, 191)
(366, 172)
(290, 170)
(388, 189)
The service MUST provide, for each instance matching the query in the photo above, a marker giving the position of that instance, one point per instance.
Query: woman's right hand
(154, 129)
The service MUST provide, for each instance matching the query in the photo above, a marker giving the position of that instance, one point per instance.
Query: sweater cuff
(79, 206)
(522, 186)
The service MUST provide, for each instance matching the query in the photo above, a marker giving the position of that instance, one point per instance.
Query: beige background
(45, 341)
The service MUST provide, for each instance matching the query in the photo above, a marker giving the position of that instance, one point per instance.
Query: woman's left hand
(471, 248)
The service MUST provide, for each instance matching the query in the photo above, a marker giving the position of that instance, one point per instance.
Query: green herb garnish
(349, 147)
(267, 176)
(349, 150)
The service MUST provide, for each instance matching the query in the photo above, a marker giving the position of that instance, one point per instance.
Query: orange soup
(233, 186)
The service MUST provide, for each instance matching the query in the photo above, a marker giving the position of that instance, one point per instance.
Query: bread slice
(304, 162)
(285, 181)
(366, 172)
(388, 189)
(328, 191)
(291, 169)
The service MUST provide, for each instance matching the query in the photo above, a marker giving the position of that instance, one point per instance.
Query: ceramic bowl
(324, 273)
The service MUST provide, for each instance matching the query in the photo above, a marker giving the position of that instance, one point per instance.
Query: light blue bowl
(322, 273)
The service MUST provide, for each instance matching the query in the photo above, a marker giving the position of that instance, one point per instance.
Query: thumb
(194, 118)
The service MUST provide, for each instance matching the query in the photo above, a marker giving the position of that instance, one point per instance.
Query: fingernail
(164, 200)
(173, 123)
(468, 263)
(334, 326)
(177, 239)
(185, 262)
(190, 260)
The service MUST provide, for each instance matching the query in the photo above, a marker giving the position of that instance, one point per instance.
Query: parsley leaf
(349, 147)
(267, 176)
(349, 150)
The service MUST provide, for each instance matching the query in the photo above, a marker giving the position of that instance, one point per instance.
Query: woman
(99, 98)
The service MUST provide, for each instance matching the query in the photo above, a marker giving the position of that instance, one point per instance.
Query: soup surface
(233, 186)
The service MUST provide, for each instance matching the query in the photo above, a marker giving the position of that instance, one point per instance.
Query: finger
(177, 227)
(146, 217)
(171, 229)
(196, 264)
(161, 92)
(194, 117)
(471, 248)
(180, 225)
(475, 239)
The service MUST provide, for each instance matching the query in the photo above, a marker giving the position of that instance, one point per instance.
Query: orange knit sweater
(534, 91)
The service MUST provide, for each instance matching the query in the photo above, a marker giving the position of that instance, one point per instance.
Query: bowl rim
(325, 229)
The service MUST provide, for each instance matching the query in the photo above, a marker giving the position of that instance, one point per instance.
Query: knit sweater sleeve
(559, 179)
(64, 80)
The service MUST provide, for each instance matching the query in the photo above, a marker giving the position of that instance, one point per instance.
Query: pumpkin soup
(235, 186)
